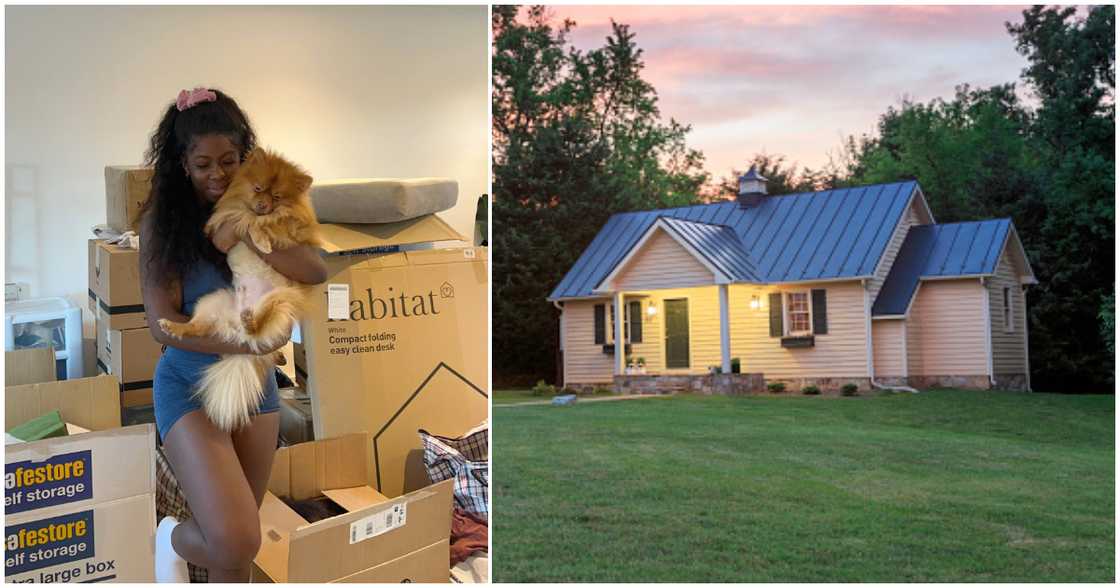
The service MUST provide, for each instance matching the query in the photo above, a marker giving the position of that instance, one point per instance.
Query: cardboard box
(29, 366)
(299, 361)
(405, 346)
(131, 357)
(295, 417)
(114, 283)
(126, 189)
(118, 317)
(378, 540)
(78, 508)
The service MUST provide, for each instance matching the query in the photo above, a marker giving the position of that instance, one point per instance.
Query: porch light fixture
(755, 303)
(652, 310)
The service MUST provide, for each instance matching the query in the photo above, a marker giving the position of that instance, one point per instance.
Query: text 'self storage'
(396, 341)
(79, 508)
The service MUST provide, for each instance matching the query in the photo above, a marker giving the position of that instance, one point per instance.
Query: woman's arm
(301, 263)
(162, 299)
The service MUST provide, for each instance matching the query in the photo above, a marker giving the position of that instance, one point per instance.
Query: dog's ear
(303, 183)
(253, 155)
(260, 239)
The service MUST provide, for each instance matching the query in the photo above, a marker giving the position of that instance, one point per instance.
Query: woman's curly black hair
(173, 214)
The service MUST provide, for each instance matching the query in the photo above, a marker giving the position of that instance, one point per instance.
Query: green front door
(676, 333)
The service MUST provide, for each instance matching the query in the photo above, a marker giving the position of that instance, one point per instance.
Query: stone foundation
(826, 385)
(586, 388)
(966, 382)
(1017, 382)
(721, 384)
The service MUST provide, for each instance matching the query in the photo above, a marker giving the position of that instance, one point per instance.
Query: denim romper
(179, 370)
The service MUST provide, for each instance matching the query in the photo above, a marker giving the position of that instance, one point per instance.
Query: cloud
(794, 79)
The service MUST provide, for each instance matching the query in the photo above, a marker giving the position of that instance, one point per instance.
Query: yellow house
(854, 285)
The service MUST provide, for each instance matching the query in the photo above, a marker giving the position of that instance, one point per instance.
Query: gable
(956, 250)
(661, 262)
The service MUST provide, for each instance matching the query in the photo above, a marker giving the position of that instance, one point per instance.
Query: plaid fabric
(467, 460)
(170, 502)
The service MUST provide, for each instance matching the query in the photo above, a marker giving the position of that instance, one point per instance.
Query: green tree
(1072, 72)
(984, 154)
(577, 137)
(968, 153)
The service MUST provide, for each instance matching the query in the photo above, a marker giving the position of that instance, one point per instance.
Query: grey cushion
(368, 201)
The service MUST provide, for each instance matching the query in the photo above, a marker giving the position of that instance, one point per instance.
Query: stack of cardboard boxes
(80, 507)
(125, 347)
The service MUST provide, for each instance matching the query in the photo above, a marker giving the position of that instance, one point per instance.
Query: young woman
(201, 141)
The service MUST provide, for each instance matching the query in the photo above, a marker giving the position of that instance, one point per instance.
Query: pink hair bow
(194, 97)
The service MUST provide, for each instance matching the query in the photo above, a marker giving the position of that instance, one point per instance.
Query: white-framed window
(1008, 317)
(798, 313)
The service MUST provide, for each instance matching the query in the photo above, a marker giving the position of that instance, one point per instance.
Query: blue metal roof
(940, 251)
(795, 237)
(719, 245)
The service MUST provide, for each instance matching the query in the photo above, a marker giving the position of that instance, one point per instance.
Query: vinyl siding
(584, 361)
(1008, 349)
(945, 329)
(841, 353)
(887, 338)
(703, 330)
(662, 263)
(909, 219)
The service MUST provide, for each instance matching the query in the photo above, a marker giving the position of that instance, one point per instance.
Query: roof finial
(752, 188)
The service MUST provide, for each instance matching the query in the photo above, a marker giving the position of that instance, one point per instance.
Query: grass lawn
(942, 486)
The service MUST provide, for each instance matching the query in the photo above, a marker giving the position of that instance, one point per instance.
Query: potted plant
(631, 367)
(641, 365)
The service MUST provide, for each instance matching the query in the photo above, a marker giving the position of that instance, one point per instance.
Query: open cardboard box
(93, 493)
(378, 539)
(29, 366)
(396, 341)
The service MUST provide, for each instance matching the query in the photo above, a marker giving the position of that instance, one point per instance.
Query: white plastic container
(47, 321)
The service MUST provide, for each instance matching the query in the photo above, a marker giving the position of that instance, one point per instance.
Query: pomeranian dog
(268, 203)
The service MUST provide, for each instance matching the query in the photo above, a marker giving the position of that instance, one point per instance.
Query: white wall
(346, 91)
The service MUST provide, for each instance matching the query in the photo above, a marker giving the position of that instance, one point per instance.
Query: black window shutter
(636, 322)
(600, 324)
(820, 313)
(776, 327)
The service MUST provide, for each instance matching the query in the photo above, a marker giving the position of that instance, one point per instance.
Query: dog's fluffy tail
(232, 388)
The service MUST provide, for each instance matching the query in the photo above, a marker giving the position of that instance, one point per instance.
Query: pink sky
(795, 80)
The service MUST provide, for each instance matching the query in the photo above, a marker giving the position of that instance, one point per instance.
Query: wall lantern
(755, 302)
(652, 310)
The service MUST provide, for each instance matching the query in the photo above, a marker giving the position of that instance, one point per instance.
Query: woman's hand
(301, 263)
(224, 238)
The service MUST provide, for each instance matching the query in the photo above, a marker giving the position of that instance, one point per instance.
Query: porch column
(619, 335)
(724, 330)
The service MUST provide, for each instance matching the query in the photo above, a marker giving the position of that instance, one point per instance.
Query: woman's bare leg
(223, 534)
(256, 446)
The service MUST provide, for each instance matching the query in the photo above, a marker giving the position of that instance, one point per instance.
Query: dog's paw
(171, 328)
